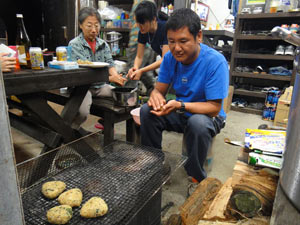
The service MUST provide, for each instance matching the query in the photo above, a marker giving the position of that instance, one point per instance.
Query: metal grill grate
(123, 174)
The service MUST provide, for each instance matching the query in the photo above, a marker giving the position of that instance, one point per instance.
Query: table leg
(50, 138)
(37, 104)
(72, 106)
(132, 132)
(108, 128)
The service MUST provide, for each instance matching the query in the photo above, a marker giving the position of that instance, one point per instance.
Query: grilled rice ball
(94, 207)
(52, 189)
(60, 214)
(72, 197)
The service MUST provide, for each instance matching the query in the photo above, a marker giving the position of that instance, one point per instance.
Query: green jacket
(82, 50)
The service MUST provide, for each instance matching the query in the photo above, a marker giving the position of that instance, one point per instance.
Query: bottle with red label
(23, 43)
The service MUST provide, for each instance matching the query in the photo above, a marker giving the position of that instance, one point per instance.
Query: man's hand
(167, 108)
(118, 79)
(156, 100)
(7, 63)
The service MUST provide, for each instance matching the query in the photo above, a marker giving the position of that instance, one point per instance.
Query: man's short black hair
(145, 11)
(184, 17)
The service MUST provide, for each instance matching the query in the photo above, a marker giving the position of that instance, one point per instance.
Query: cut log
(245, 202)
(217, 210)
(174, 219)
(253, 221)
(197, 204)
(253, 191)
(204, 222)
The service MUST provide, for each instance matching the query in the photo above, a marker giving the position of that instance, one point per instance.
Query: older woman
(88, 46)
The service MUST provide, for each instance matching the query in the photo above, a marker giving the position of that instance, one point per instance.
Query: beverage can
(61, 53)
(36, 58)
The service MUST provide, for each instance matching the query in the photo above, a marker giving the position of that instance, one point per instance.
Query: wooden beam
(217, 210)
(11, 209)
(197, 204)
(36, 131)
(255, 221)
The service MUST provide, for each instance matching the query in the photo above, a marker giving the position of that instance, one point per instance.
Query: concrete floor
(224, 155)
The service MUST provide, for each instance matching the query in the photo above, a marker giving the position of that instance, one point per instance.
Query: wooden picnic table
(41, 121)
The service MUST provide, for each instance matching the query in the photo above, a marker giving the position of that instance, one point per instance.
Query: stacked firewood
(245, 198)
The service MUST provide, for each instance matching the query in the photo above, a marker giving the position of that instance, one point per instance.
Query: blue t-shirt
(157, 39)
(207, 78)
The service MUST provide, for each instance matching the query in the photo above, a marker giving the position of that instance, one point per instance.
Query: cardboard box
(283, 108)
(228, 100)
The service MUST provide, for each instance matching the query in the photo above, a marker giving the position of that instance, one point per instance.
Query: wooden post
(11, 210)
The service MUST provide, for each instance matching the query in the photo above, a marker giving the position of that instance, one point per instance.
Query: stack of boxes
(271, 102)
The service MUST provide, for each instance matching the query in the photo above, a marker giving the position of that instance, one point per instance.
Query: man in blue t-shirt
(151, 31)
(199, 76)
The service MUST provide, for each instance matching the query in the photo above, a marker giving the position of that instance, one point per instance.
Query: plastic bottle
(23, 43)
(170, 9)
(286, 5)
(274, 6)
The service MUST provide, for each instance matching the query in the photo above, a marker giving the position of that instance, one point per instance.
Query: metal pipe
(290, 171)
(286, 35)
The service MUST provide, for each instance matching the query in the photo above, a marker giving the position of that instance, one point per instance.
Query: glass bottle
(23, 43)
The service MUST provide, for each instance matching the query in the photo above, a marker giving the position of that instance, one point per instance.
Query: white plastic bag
(110, 13)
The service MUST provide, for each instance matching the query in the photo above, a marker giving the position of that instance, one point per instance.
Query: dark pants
(198, 132)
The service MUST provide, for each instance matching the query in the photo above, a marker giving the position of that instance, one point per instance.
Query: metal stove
(290, 172)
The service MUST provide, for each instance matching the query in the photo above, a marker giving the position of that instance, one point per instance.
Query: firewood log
(196, 205)
(253, 221)
(174, 219)
(217, 210)
(253, 191)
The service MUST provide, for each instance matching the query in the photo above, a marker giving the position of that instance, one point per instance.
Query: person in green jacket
(88, 46)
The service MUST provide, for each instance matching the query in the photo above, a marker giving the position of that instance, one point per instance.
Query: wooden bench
(105, 108)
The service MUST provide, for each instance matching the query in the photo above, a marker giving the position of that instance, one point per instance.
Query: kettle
(112, 38)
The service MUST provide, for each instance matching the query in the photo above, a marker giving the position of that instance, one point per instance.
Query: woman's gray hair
(86, 12)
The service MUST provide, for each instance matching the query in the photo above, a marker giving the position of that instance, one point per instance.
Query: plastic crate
(117, 23)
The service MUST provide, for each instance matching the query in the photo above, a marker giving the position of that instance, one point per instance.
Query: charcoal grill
(128, 177)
